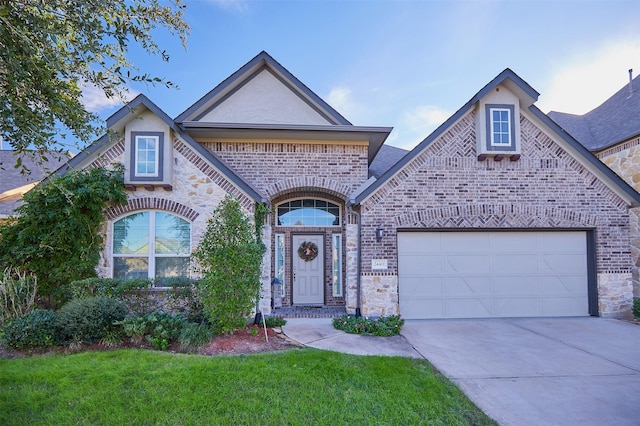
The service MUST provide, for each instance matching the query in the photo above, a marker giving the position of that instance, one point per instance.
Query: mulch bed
(250, 340)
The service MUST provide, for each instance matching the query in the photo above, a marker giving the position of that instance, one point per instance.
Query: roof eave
(374, 136)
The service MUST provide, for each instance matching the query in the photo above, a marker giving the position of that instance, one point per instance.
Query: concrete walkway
(557, 371)
(319, 333)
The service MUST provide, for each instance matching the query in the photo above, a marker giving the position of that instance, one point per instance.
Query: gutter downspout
(357, 214)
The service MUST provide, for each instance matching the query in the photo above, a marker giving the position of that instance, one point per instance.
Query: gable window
(308, 212)
(146, 155)
(151, 244)
(500, 128)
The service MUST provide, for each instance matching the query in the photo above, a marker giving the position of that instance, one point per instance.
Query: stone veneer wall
(624, 159)
(197, 189)
(447, 187)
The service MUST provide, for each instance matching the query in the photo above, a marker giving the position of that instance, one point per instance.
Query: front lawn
(307, 387)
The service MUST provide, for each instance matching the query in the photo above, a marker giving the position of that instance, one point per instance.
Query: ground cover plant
(382, 326)
(302, 386)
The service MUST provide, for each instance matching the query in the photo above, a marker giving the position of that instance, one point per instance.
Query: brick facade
(446, 186)
(279, 167)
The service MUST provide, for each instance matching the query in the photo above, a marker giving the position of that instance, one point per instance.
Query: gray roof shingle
(385, 159)
(613, 122)
(13, 178)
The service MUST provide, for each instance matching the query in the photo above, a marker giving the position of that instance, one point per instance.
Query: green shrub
(195, 335)
(230, 258)
(57, 231)
(176, 295)
(106, 287)
(277, 321)
(159, 329)
(88, 320)
(383, 326)
(135, 328)
(36, 329)
(17, 294)
(636, 308)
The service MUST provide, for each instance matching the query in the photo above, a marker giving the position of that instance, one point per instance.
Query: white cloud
(590, 78)
(341, 100)
(417, 124)
(94, 99)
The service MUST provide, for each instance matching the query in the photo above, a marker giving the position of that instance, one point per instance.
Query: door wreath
(308, 251)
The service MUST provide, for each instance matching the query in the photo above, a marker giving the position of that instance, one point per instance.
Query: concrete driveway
(558, 371)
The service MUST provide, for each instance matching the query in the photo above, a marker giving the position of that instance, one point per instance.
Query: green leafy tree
(229, 255)
(57, 233)
(50, 49)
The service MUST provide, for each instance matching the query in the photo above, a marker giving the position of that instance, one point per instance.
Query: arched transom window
(308, 212)
(151, 244)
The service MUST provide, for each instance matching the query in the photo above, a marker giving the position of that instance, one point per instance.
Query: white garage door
(492, 274)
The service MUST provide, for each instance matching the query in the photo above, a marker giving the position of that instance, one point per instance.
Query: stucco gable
(265, 99)
(262, 92)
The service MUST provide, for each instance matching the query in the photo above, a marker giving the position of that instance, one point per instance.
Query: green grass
(306, 387)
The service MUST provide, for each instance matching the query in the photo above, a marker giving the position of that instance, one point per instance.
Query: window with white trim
(151, 244)
(146, 156)
(500, 127)
(336, 249)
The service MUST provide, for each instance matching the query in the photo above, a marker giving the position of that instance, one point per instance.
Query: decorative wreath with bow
(308, 251)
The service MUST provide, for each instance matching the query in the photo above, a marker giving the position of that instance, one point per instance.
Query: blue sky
(405, 64)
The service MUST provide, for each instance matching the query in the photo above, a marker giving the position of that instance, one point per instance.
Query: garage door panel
(514, 242)
(414, 308)
(509, 263)
(421, 287)
(467, 264)
(572, 241)
(418, 264)
(460, 307)
(420, 243)
(563, 306)
(493, 274)
(563, 285)
(455, 242)
(468, 285)
(564, 263)
(517, 285)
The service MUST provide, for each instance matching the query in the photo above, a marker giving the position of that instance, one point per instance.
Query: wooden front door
(308, 275)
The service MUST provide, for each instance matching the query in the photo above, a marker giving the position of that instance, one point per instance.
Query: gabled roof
(327, 124)
(506, 77)
(527, 96)
(616, 120)
(239, 78)
(128, 112)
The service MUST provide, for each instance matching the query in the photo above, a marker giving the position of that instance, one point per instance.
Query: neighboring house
(16, 181)
(612, 132)
(497, 213)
